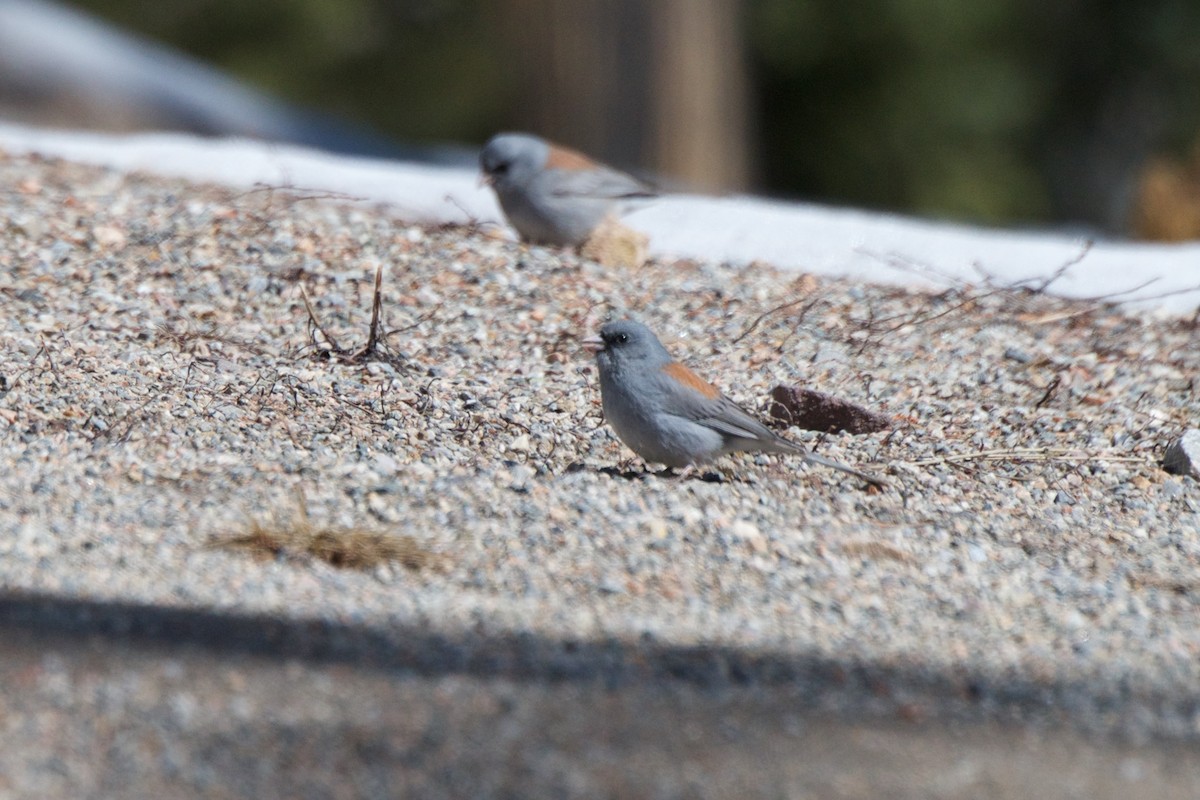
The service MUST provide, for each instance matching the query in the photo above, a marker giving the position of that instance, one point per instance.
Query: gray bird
(668, 414)
(550, 194)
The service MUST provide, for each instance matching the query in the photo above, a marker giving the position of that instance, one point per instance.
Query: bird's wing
(730, 419)
(602, 182)
(702, 402)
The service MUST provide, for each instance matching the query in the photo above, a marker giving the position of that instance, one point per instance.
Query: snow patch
(872, 247)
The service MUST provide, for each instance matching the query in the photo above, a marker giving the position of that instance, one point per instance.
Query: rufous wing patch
(565, 158)
(691, 380)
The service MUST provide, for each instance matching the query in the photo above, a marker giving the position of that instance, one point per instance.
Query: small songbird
(668, 414)
(550, 194)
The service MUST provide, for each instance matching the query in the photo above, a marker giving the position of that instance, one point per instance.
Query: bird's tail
(840, 467)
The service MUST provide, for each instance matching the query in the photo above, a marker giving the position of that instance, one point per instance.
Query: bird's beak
(593, 344)
(484, 180)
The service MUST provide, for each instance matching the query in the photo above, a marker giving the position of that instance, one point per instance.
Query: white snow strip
(828, 241)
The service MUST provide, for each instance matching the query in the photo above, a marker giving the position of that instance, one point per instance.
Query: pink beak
(593, 344)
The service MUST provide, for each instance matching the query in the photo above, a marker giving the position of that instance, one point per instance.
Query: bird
(667, 414)
(551, 194)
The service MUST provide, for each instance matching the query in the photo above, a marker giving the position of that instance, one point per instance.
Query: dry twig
(1025, 454)
(371, 348)
(758, 320)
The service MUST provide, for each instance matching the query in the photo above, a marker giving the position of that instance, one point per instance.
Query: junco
(670, 415)
(550, 194)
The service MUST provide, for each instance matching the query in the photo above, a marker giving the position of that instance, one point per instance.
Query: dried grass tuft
(348, 547)
(876, 551)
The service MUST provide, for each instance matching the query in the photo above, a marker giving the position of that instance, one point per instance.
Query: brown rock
(817, 411)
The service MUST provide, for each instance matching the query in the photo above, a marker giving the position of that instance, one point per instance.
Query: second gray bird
(550, 194)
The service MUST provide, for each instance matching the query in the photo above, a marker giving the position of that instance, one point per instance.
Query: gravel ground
(162, 385)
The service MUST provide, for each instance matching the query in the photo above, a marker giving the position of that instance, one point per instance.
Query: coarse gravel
(162, 384)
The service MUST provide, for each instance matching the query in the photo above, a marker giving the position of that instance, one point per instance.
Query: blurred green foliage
(997, 111)
(1011, 109)
(918, 105)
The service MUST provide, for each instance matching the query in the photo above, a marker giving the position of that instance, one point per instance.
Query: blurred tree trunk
(656, 84)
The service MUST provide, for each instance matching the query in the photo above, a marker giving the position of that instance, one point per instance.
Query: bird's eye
(500, 169)
(622, 338)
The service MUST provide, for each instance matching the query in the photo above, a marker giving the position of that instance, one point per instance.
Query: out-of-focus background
(1068, 113)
